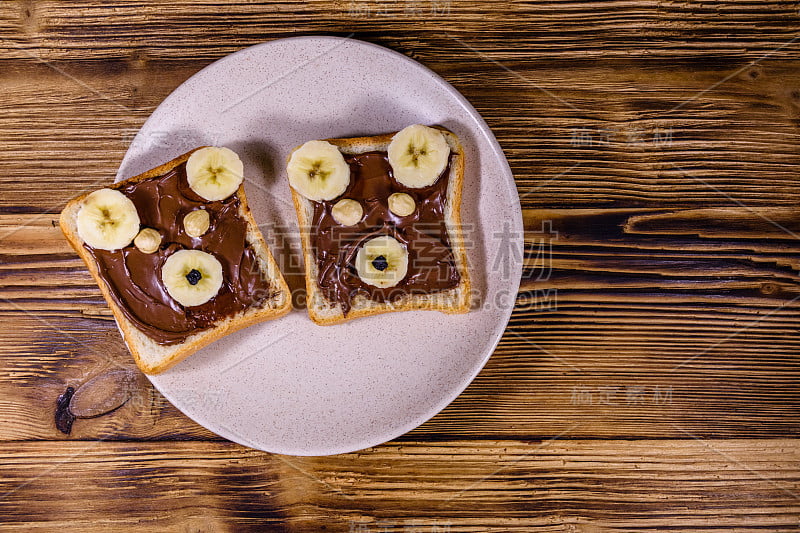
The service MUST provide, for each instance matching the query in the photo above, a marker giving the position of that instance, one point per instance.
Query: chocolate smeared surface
(134, 277)
(431, 264)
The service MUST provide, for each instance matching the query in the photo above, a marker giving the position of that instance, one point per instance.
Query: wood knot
(64, 417)
(770, 289)
(98, 396)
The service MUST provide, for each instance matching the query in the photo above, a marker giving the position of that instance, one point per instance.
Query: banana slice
(192, 277)
(318, 171)
(382, 262)
(418, 155)
(214, 172)
(107, 220)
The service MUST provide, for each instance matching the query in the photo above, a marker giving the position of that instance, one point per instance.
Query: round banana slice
(418, 155)
(214, 172)
(192, 277)
(107, 220)
(318, 171)
(347, 212)
(382, 262)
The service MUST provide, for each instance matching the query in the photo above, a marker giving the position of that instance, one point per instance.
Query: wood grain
(45, 353)
(552, 30)
(453, 486)
(655, 140)
(740, 253)
(630, 325)
(584, 136)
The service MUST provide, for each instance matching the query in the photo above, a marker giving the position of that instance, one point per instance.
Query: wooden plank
(99, 486)
(65, 131)
(635, 369)
(454, 486)
(657, 138)
(627, 319)
(720, 253)
(627, 135)
(739, 252)
(621, 29)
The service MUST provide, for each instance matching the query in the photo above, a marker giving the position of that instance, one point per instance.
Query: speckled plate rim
(515, 227)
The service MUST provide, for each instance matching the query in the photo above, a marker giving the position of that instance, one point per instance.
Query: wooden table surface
(648, 380)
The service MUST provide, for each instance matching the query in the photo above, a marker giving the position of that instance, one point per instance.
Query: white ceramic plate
(290, 386)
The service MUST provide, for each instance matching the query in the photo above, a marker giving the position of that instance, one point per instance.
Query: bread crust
(149, 356)
(451, 301)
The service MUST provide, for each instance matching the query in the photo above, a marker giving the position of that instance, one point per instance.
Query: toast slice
(325, 311)
(151, 356)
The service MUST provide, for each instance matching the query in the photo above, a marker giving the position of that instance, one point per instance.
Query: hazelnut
(347, 212)
(147, 241)
(402, 204)
(196, 223)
